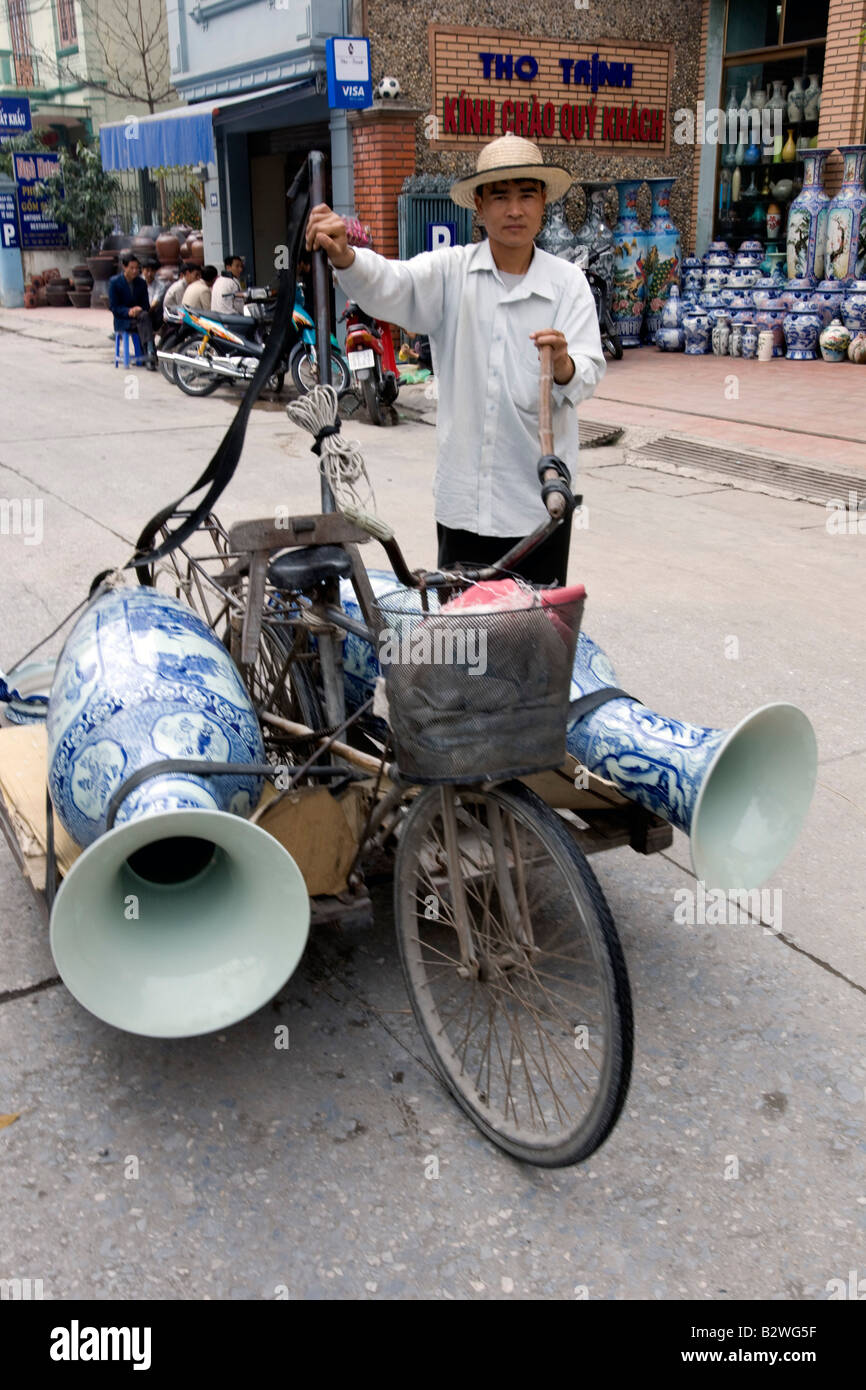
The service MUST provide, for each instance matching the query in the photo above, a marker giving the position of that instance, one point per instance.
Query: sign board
(14, 116)
(8, 222)
(37, 228)
(348, 63)
(441, 234)
(609, 94)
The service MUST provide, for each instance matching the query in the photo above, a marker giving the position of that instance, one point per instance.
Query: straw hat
(511, 157)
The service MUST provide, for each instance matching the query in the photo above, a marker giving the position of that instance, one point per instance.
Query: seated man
(128, 301)
(198, 294)
(189, 273)
(227, 285)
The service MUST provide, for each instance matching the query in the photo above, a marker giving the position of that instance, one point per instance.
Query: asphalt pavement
(225, 1167)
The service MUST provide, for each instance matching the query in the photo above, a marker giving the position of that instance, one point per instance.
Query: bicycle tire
(553, 1145)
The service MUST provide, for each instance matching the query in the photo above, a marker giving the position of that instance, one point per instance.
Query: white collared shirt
(488, 370)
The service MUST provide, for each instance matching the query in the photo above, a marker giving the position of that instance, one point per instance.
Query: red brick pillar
(843, 86)
(383, 139)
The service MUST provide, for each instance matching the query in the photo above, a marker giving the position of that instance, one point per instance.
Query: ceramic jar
(796, 101)
(766, 345)
(857, 349)
(663, 254)
(715, 278)
(807, 220)
(812, 99)
(697, 333)
(750, 340)
(854, 307)
(798, 291)
(770, 319)
(802, 326)
(846, 219)
(672, 313)
(830, 293)
(595, 234)
(670, 339)
(629, 275)
(741, 278)
(834, 341)
(735, 344)
(141, 679)
(721, 337)
(556, 237)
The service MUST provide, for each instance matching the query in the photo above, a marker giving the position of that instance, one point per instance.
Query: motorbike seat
(299, 570)
(239, 323)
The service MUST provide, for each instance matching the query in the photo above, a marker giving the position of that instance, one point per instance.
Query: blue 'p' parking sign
(441, 234)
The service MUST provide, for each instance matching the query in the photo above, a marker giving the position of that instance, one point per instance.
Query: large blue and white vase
(846, 219)
(854, 306)
(595, 236)
(807, 220)
(556, 237)
(697, 327)
(629, 273)
(663, 256)
(142, 679)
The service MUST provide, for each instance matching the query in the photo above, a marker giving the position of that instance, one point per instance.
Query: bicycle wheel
(305, 372)
(195, 382)
(534, 1036)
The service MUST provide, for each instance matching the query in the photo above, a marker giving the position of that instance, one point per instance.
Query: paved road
(263, 1172)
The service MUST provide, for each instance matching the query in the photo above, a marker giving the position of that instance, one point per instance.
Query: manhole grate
(797, 481)
(594, 436)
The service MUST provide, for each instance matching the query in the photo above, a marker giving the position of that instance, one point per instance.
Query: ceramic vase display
(663, 255)
(670, 339)
(696, 326)
(802, 326)
(720, 338)
(846, 223)
(774, 222)
(629, 273)
(857, 349)
(854, 307)
(807, 220)
(796, 102)
(812, 100)
(556, 237)
(789, 149)
(750, 340)
(595, 234)
(766, 345)
(141, 679)
(834, 341)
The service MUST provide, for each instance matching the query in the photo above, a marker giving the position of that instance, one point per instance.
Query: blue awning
(182, 135)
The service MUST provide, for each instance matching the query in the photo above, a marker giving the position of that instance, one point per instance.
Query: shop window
(22, 57)
(805, 19)
(753, 24)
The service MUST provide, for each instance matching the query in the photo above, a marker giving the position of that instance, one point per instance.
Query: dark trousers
(142, 324)
(547, 565)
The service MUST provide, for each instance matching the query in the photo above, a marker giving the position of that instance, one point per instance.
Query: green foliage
(31, 143)
(185, 208)
(88, 198)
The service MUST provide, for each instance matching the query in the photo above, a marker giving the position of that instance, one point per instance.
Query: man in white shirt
(487, 309)
(173, 297)
(227, 285)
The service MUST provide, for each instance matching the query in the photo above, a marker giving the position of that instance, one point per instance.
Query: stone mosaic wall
(398, 32)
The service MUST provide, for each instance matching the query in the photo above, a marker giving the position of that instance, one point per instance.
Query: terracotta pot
(167, 249)
(36, 282)
(181, 231)
(102, 267)
(42, 297)
(57, 298)
(49, 275)
(84, 282)
(167, 272)
(29, 299)
(79, 270)
(99, 297)
(80, 299)
(115, 241)
(143, 246)
(196, 252)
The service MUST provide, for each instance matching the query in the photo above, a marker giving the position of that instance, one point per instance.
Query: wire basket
(478, 693)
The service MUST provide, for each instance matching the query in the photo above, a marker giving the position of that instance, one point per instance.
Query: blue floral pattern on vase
(663, 254)
(846, 223)
(142, 679)
(807, 220)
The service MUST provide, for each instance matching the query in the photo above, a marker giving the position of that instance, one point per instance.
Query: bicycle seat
(302, 569)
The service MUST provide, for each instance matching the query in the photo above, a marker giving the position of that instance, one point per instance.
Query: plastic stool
(126, 334)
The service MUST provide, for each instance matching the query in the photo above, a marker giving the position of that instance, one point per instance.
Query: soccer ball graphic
(388, 89)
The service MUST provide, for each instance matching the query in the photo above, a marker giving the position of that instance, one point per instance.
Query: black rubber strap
(551, 461)
(562, 489)
(196, 766)
(316, 446)
(50, 856)
(585, 704)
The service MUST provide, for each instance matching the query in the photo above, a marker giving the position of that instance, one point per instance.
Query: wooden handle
(545, 401)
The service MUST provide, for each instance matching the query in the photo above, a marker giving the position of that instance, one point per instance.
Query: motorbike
(302, 359)
(223, 347)
(595, 264)
(370, 355)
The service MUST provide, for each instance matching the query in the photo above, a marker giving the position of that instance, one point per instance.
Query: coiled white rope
(341, 460)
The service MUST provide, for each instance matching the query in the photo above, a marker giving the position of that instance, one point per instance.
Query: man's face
(512, 210)
(236, 268)
(191, 275)
(148, 272)
(132, 270)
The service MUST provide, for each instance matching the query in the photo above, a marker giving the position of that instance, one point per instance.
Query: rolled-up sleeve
(410, 293)
(579, 323)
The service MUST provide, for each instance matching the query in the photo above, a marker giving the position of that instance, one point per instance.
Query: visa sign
(348, 64)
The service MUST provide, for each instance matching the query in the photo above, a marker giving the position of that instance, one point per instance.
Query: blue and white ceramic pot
(750, 340)
(629, 271)
(664, 253)
(831, 293)
(556, 237)
(854, 307)
(846, 219)
(670, 339)
(807, 220)
(802, 326)
(799, 292)
(142, 679)
(672, 313)
(697, 329)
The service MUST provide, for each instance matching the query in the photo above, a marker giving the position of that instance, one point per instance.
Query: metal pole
(321, 301)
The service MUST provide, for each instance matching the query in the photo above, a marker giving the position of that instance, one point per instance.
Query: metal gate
(425, 198)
